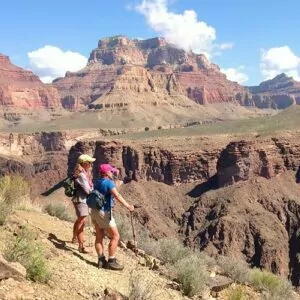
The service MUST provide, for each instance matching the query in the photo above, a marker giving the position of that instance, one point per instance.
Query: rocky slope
(147, 69)
(20, 88)
(235, 198)
(23, 95)
(279, 92)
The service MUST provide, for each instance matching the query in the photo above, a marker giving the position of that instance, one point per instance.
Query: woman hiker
(104, 220)
(83, 186)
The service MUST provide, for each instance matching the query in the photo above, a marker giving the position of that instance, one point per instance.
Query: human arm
(119, 197)
(82, 180)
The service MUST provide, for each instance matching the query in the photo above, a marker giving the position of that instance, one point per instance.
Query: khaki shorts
(102, 219)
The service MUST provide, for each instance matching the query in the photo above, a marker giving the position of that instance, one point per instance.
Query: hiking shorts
(102, 219)
(81, 209)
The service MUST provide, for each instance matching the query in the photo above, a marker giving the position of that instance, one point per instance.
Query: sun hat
(85, 158)
(104, 168)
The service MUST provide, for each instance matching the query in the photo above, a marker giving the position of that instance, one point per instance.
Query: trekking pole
(133, 229)
(90, 230)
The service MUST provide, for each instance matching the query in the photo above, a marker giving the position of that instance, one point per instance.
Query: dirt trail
(74, 275)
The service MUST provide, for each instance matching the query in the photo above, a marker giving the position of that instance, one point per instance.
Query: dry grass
(275, 287)
(236, 293)
(236, 269)
(25, 249)
(192, 274)
(142, 287)
(58, 210)
(13, 189)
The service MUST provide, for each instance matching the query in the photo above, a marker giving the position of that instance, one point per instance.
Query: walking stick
(133, 230)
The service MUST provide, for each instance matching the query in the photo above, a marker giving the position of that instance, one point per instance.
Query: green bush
(191, 273)
(236, 269)
(12, 190)
(58, 210)
(25, 249)
(171, 250)
(276, 287)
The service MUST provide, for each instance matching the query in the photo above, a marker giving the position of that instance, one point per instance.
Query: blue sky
(245, 26)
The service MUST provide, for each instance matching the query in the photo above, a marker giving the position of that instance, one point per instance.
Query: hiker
(104, 220)
(83, 186)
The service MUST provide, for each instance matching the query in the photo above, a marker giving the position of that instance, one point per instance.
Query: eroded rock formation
(20, 88)
(148, 68)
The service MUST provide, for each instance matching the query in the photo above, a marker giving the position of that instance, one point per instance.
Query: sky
(250, 40)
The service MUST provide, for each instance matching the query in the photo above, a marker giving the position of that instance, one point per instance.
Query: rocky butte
(279, 92)
(151, 71)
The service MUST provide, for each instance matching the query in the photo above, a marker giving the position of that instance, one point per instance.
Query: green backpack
(69, 185)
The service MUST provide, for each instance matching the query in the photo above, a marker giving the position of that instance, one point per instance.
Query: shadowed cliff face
(254, 213)
(247, 201)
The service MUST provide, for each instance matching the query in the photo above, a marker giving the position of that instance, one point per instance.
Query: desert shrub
(236, 293)
(124, 227)
(147, 128)
(236, 269)
(171, 250)
(26, 250)
(159, 127)
(58, 210)
(142, 287)
(12, 190)
(276, 287)
(191, 273)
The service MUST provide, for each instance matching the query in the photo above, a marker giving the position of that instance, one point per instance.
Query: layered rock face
(147, 163)
(22, 89)
(148, 68)
(254, 213)
(279, 93)
(41, 158)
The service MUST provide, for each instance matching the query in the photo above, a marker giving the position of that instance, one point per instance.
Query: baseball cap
(104, 168)
(85, 158)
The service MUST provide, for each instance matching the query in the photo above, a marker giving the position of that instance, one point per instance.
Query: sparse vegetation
(236, 269)
(13, 189)
(142, 288)
(25, 249)
(146, 128)
(276, 287)
(236, 293)
(58, 210)
(171, 251)
(191, 274)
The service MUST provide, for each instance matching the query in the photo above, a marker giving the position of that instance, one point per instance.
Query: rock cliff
(151, 69)
(20, 88)
(279, 92)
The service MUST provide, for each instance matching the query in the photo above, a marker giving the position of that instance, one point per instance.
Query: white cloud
(226, 46)
(235, 74)
(183, 30)
(50, 62)
(279, 60)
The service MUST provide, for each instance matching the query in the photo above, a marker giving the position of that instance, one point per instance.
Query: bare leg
(79, 230)
(99, 240)
(114, 236)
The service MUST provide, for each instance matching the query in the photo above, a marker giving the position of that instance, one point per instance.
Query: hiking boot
(102, 262)
(112, 264)
(83, 250)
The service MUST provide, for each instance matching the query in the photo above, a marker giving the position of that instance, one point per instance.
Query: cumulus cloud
(279, 60)
(184, 30)
(235, 74)
(50, 62)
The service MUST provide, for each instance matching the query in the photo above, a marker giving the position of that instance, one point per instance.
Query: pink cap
(104, 168)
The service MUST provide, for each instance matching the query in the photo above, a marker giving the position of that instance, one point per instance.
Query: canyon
(228, 195)
(136, 81)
